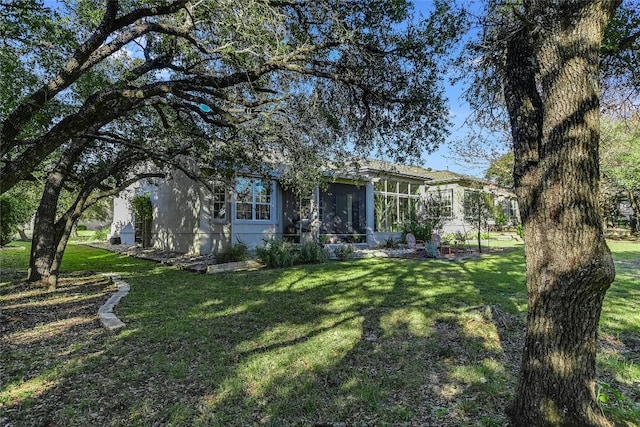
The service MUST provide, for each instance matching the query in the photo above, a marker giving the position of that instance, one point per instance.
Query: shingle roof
(375, 165)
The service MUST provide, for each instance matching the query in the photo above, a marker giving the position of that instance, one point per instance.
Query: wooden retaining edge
(107, 317)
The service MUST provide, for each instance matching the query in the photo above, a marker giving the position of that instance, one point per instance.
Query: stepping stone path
(107, 317)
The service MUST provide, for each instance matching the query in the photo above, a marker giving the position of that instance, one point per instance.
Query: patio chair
(416, 247)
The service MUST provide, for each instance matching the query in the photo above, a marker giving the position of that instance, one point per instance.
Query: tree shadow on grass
(341, 342)
(369, 342)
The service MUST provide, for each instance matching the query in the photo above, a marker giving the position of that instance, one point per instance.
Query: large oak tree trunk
(48, 232)
(45, 233)
(552, 94)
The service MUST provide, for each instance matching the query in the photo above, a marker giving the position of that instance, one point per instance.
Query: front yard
(366, 342)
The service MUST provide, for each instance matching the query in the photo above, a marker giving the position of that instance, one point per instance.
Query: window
(511, 210)
(219, 201)
(253, 199)
(472, 204)
(439, 204)
(395, 204)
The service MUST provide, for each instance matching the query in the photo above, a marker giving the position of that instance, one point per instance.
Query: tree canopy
(254, 80)
(488, 134)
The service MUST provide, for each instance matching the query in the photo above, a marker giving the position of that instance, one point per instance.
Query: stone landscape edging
(107, 317)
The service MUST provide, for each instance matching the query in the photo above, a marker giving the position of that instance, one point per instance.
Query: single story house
(363, 207)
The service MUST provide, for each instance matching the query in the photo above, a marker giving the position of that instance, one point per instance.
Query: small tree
(478, 209)
(434, 209)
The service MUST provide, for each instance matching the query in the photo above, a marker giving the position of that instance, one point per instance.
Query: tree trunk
(46, 233)
(552, 95)
(635, 207)
(23, 235)
(65, 227)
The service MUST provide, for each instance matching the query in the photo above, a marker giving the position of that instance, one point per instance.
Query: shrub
(276, 254)
(235, 253)
(81, 227)
(390, 243)
(101, 233)
(421, 231)
(344, 251)
(312, 253)
(500, 218)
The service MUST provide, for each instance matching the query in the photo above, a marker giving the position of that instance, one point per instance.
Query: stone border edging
(108, 319)
(234, 266)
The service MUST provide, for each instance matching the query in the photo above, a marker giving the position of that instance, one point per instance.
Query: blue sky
(444, 158)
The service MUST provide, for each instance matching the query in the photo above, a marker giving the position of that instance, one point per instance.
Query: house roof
(417, 172)
(381, 167)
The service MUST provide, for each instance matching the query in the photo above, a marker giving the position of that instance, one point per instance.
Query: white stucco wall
(123, 216)
(455, 223)
(182, 220)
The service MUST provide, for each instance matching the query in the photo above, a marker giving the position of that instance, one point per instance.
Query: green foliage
(8, 225)
(142, 206)
(355, 69)
(276, 254)
(478, 207)
(101, 234)
(620, 165)
(15, 211)
(235, 253)
(500, 170)
(311, 253)
(499, 217)
(389, 243)
(421, 230)
(344, 251)
(100, 211)
(81, 227)
(620, 56)
(458, 238)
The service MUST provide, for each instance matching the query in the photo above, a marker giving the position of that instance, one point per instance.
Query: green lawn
(368, 342)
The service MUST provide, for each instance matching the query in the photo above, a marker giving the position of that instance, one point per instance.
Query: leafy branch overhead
(273, 76)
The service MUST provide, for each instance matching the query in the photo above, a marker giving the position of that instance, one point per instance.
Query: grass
(367, 342)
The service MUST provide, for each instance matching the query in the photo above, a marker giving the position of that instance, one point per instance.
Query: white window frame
(441, 196)
(255, 202)
(394, 224)
(219, 189)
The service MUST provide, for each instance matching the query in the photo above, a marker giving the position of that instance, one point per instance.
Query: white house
(363, 207)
